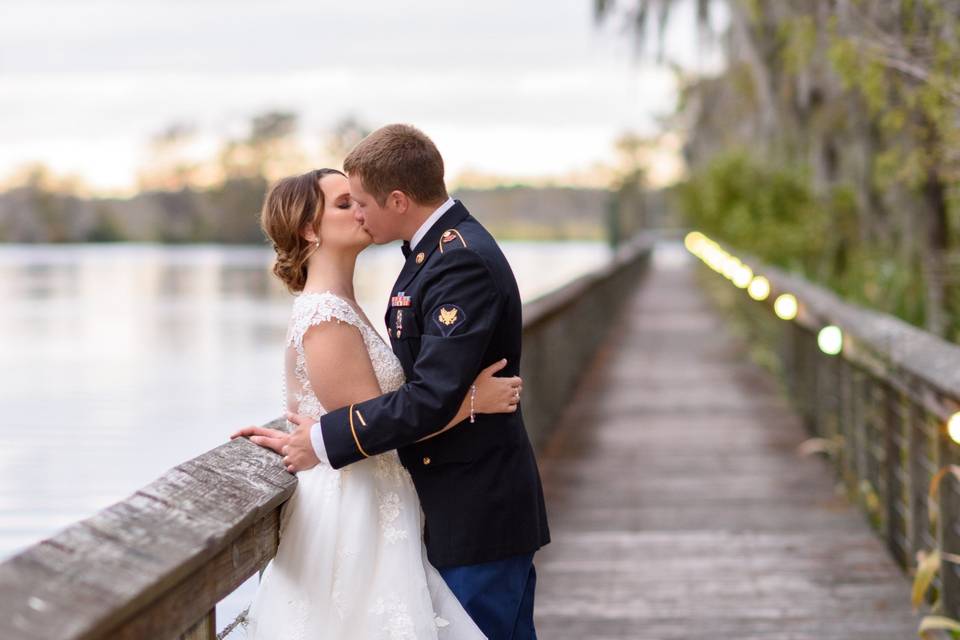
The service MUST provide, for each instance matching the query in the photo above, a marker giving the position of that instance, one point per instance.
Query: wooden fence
(881, 407)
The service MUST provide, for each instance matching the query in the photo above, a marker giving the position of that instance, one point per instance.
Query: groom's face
(382, 223)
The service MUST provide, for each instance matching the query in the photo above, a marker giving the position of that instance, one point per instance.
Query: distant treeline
(229, 213)
(183, 197)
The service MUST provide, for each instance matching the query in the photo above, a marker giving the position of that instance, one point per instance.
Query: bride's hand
(496, 395)
(268, 438)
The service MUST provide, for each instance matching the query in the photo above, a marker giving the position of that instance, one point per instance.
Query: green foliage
(799, 36)
(770, 212)
(774, 214)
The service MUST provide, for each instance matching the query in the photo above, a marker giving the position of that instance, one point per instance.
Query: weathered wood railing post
(918, 479)
(895, 443)
(948, 506)
(562, 330)
(204, 629)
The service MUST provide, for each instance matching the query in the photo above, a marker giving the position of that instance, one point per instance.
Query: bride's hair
(290, 206)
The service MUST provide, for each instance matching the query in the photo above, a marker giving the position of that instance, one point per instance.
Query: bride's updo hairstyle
(291, 205)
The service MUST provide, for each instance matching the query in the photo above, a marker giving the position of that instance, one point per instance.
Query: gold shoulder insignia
(449, 236)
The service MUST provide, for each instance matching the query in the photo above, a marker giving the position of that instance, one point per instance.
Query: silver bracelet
(473, 398)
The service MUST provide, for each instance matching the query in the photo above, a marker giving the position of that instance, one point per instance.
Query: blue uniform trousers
(498, 595)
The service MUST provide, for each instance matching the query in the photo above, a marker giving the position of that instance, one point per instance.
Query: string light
(785, 306)
(953, 427)
(759, 288)
(830, 340)
(743, 277)
(693, 241)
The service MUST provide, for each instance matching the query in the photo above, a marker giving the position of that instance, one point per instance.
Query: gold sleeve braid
(353, 430)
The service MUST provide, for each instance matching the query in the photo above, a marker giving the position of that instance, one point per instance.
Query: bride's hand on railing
(495, 395)
(265, 437)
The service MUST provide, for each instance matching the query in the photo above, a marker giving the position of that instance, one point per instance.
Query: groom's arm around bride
(459, 310)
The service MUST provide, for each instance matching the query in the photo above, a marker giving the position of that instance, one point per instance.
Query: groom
(455, 309)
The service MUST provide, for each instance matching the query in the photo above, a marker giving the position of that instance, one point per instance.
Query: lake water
(118, 362)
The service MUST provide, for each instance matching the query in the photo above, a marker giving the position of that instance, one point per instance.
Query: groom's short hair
(398, 157)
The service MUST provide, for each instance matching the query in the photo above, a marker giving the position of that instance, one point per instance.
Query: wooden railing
(154, 565)
(562, 330)
(880, 408)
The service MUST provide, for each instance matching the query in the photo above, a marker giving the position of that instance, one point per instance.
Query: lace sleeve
(313, 308)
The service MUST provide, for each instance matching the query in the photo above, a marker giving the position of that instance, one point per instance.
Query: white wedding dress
(351, 563)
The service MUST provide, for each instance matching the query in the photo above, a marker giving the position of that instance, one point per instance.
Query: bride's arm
(338, 367)
(339, 371)
(341, 374)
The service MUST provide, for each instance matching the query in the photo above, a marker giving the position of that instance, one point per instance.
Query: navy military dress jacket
(455, 309)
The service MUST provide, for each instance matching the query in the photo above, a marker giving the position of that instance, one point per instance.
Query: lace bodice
(313, 308)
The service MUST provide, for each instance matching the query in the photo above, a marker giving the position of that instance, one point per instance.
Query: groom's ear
(399, 201)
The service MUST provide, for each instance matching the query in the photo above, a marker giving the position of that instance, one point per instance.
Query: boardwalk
(679, 508)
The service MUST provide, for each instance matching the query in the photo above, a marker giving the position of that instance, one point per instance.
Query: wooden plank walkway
(679, 508)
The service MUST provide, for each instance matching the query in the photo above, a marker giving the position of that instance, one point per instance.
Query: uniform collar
(430, 242)
(432, 220)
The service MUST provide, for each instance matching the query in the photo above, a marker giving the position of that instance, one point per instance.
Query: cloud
(85, 84)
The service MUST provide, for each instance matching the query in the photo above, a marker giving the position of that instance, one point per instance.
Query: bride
(351, 562)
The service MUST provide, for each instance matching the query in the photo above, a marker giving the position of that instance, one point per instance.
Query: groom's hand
(298, 453)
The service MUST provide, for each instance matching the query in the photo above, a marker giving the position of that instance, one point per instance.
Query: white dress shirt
(429, 222)
(316, 437)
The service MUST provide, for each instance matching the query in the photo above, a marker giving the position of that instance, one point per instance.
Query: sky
(526, 89)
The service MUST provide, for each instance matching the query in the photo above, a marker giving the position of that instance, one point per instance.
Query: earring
(317, 243)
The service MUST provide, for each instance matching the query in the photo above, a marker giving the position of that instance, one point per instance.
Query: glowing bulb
(714, 256)
(785, 306)
(830, 340)
(742, 277)
(715, 259)
(759, 288)
(953, 427)
(730, 267)
(694, 241)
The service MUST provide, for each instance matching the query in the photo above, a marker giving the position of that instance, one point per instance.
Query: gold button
(426, 460)
(421, 257)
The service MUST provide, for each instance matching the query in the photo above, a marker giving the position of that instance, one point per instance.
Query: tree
(346, 133)
(269, 151)
(168, 166)
(861, 100)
